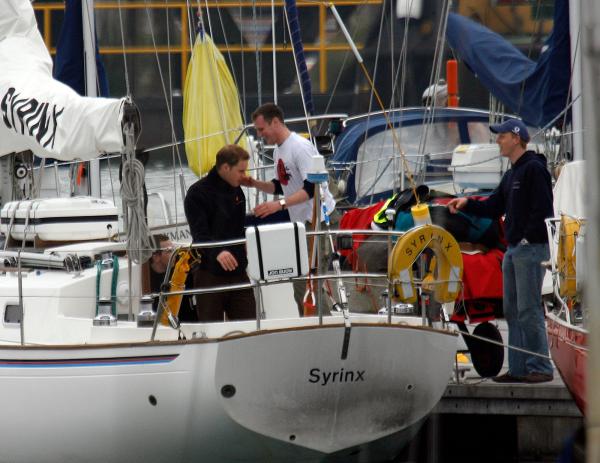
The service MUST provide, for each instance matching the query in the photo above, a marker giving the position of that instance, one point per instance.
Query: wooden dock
(478, 420)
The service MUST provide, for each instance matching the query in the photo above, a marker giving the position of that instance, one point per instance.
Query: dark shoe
(536, 377)
(508, 378)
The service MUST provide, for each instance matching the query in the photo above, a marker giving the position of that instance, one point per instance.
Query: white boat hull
(264, 396)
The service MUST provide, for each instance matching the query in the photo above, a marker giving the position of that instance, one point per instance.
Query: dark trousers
(237, 305)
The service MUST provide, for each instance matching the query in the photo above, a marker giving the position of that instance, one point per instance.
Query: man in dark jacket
(525, 197)
(215, 208)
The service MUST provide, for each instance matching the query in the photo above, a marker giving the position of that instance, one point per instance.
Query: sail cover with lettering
(40, 114)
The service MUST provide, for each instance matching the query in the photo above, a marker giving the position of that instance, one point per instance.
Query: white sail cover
(40, 114)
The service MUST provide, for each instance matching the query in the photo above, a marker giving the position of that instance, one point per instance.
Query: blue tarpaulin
(536, 91)
(69, 65)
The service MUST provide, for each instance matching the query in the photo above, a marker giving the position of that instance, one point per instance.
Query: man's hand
(266, 209)
(247, 181)
(457, 204)
(227, 261)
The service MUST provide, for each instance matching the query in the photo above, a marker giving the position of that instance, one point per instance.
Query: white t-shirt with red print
(293, 162)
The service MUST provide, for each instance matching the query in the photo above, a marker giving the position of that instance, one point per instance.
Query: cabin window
(12, 314)
(379, 165)
(479, 132)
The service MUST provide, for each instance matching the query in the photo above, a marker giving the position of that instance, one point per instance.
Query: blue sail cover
(296, 36)
(69, 65)
(536, 91)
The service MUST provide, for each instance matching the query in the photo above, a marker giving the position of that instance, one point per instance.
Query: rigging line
(529, 51)
(216, 83)
(436, 69)
(173, 155)
(508, 346)
(256, 54)
(346, 55)
(372, 92)
(243, 60)
(435, 76)
(573, 64)
(127, 86)
(403, 63)
(287, 21)
(112, 183)
(384, 112)
(160, 73)
(392, 67)
(229, 55)
(273, 43)
(558, 116)
(375, 66)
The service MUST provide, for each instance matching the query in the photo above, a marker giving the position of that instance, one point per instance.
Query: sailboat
(547, 93)
(88, 372)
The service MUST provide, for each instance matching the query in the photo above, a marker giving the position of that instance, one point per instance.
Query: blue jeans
(522, 277)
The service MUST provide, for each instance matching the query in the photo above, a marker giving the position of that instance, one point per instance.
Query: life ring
(447, 270)
(566, 257)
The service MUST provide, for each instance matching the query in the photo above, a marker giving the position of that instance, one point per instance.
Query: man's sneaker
(508, 378)
(536, 377)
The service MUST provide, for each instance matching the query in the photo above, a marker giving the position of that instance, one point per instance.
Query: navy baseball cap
(512, 125)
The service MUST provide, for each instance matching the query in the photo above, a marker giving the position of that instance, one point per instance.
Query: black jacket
(525, 196)
(215, 211)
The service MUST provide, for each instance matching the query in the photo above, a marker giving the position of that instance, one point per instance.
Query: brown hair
(231, 155)
(158, 239)
(268, 111)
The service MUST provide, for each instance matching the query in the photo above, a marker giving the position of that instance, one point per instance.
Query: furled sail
(211, 108)
(40, 114)
(294, 25)
(69, 66)
(536, 91)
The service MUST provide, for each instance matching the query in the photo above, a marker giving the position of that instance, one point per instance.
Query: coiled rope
(132, 185)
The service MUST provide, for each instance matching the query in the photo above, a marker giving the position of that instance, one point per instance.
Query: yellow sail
(211, 107)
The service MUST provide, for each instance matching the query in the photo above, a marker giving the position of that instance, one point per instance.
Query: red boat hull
(568, 347)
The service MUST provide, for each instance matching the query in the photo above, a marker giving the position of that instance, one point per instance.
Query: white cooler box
(60, 219)
(478, 166)
(277, 251)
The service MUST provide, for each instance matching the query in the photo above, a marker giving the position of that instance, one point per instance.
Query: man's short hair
(268, 111)
(231, 155)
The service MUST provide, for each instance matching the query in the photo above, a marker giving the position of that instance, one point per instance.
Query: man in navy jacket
(215, 208)
(524, 196)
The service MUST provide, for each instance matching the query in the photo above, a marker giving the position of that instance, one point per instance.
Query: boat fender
(566, 258)
(447, 270)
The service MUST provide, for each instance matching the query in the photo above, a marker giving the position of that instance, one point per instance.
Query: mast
(590, 34)
(576, 110)
(91, 78)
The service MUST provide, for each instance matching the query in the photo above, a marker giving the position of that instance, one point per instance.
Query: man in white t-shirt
(293, 158)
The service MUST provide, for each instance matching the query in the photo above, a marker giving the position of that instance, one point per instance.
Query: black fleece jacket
(215, 211)
(525, 196)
